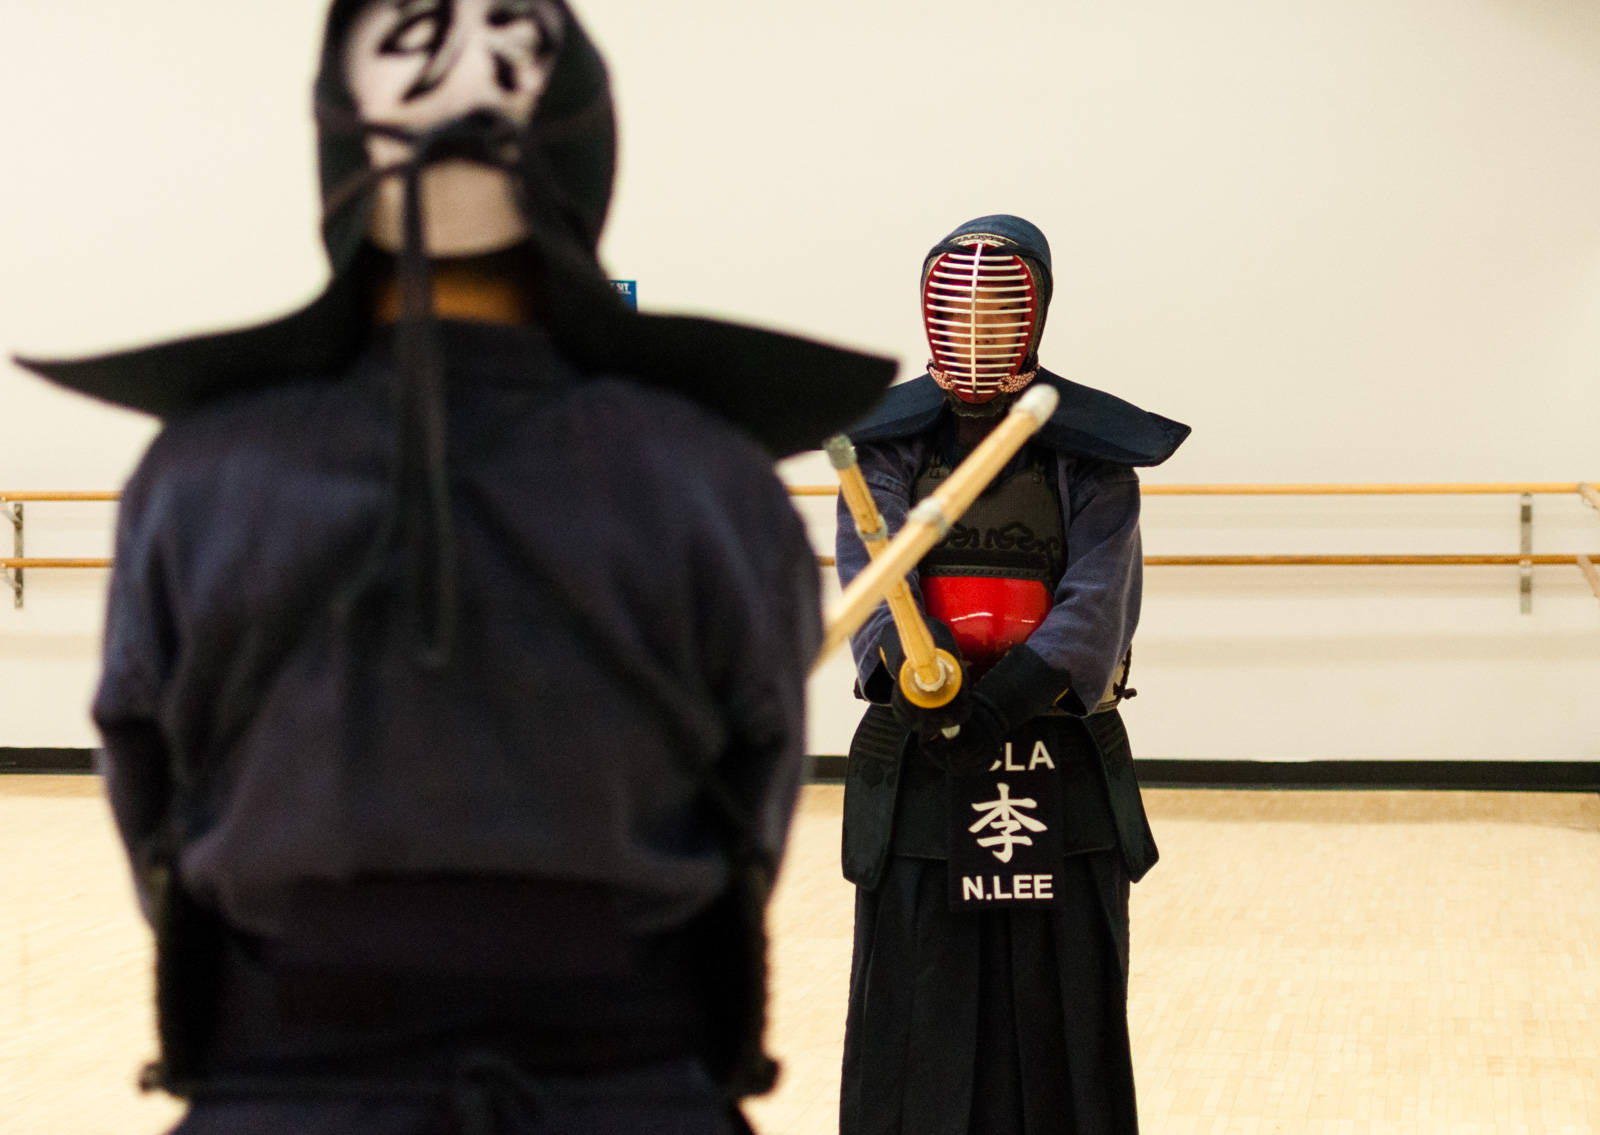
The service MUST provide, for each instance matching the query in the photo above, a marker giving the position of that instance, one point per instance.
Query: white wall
(1346, 241)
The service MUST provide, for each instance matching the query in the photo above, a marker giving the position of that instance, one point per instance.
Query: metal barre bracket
(14, 575)
(1525, 568)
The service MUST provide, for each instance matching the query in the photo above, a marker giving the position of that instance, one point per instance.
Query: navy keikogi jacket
(670, 622)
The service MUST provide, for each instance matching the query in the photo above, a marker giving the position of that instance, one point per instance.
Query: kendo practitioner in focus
(992, 840)
(458, 634)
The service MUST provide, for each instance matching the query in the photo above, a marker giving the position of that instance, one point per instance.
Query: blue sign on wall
(629, 291)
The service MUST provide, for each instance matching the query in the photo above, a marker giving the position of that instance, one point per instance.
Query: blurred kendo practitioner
(992, 866)
(458, 634)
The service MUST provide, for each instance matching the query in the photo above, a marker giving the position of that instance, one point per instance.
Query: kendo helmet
(474, 67)
(460, 128)
(491, 119)
(985, 292)
(555, 159)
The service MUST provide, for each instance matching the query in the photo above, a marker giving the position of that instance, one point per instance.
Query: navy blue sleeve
(753, 610)
(1096, 604)
(765, 601)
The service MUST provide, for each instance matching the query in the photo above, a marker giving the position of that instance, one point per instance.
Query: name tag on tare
(1005, 828)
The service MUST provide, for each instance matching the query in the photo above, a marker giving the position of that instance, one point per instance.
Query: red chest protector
(993, 578)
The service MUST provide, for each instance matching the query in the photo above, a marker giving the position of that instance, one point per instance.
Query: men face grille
(978, 307)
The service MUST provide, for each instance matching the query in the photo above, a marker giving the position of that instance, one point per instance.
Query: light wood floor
(1307, 962)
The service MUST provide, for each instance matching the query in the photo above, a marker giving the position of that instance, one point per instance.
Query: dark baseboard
(1475, 776)
(46, 760)
(1478, 776)
(825, 769)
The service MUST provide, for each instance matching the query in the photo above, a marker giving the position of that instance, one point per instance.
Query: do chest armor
(992, 579)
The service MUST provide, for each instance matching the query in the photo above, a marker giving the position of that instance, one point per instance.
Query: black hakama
(964, 1029)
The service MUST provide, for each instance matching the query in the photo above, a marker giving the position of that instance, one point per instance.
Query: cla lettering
(1039, 758)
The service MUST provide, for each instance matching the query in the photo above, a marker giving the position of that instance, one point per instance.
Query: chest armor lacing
(992, 579)
(1012, 531)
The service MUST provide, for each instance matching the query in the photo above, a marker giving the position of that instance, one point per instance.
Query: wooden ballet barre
(47, 562)
(1426, 560)
(13, 567)
(6, 498)
(1311, 490)
(1583, 489)
(1340, 560)
(1288, 490)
